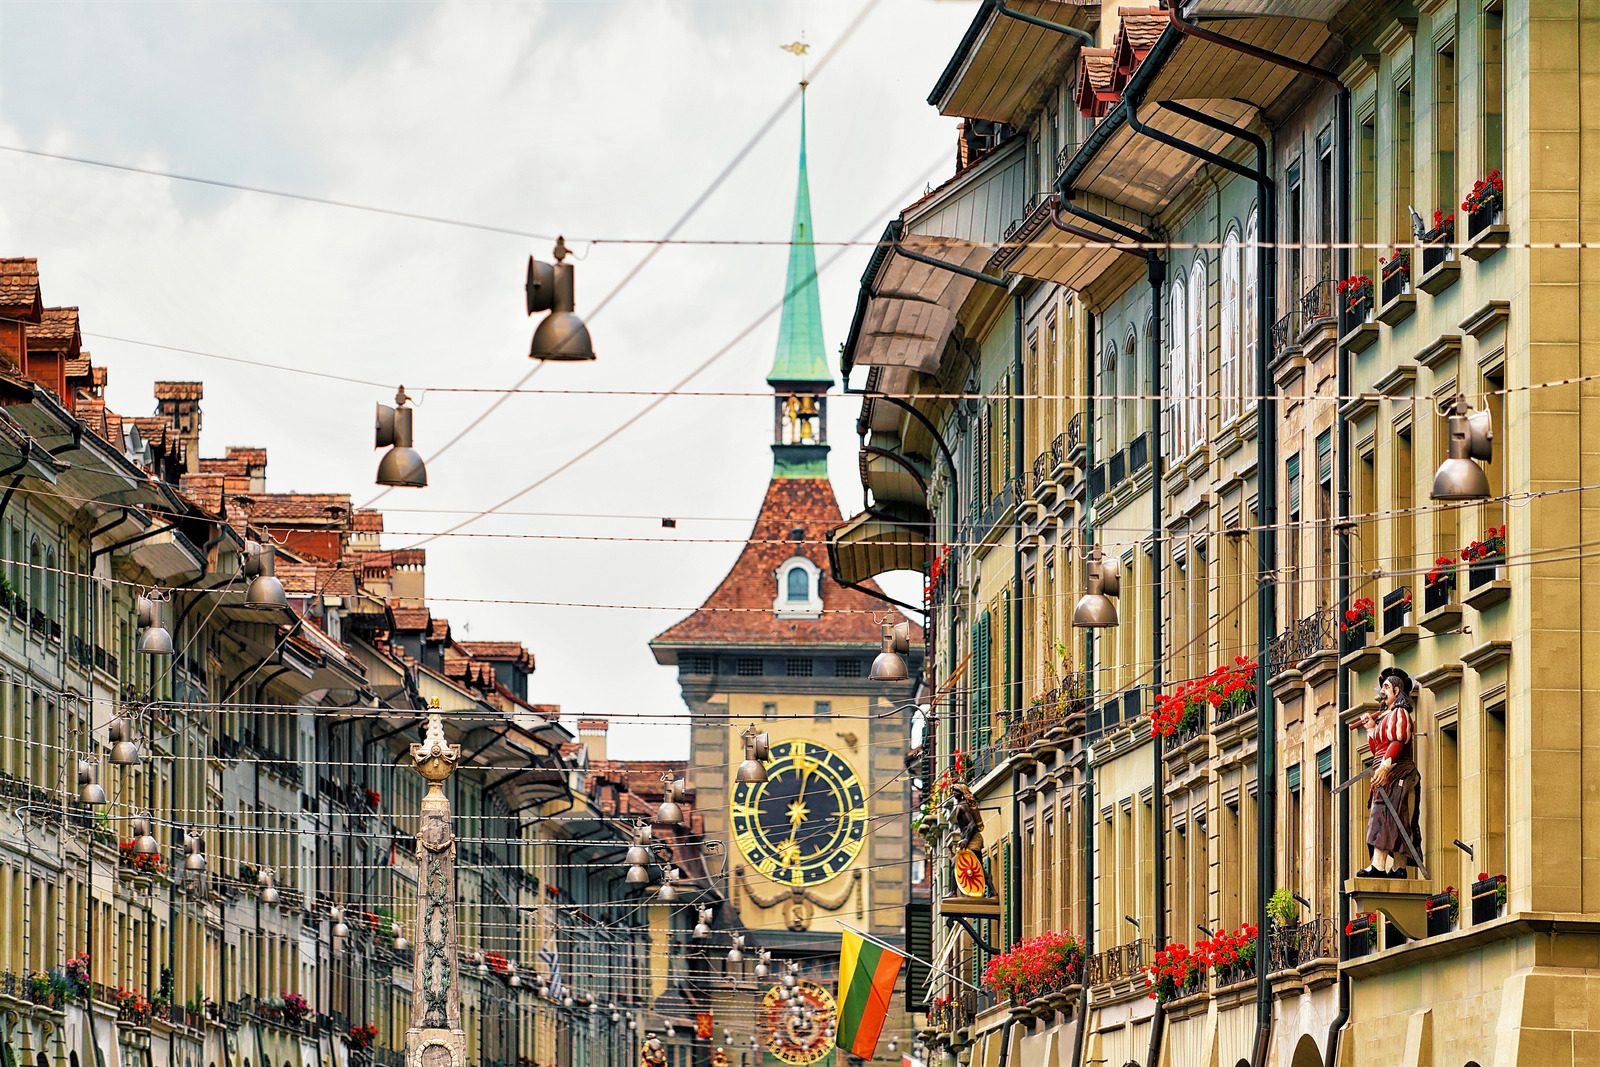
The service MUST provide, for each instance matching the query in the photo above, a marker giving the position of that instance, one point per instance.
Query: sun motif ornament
(799, 1030)
(970, 880)
(807, 822)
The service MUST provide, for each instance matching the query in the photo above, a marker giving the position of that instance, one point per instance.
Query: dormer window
(799, 591)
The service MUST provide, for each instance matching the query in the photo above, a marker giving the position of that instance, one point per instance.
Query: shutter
(1006, 709)
(919, 950)
(1008, 880)
(980, 685)
(1294, 778)
(975, 456)
(1325, 763)
(1325, 457)
(1292, 476)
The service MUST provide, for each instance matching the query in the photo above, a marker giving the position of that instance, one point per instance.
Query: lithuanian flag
(867, 974)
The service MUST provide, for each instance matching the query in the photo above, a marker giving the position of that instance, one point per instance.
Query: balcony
(1074, 453)
(1286, 336)
(1122, 963)
(1399, 621)
(1117, 468)
(1058, 450)
(1041, 472)
(1313, 636)
(1302, 944)
(1138, 453)
(1316, 307)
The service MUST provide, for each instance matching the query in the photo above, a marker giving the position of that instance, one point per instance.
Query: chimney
(592, 732)
(179, 404)
(254, 463)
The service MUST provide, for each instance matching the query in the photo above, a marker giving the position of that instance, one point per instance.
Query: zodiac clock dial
(805, 823)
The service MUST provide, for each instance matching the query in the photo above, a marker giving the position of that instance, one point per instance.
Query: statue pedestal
(436, 1048)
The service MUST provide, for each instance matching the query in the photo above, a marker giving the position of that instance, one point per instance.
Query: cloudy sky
(590, 118)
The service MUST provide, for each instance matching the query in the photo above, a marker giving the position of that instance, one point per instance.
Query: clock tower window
(799, 589)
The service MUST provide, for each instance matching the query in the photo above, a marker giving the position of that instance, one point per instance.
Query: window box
(1488, 898)
(1399, 629)
(1442, 910)
(1396, 275)
(1360, 934)
(1440, 612)
(1357, 330)
(1485, 207)
(1440, 267)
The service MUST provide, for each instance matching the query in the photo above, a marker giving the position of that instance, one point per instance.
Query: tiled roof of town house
(19, 288)
(220, 465)
(514, 651)
(180, 390)
(411, 620)
(1137, 33)
(205, 490)
(1094, 95)
(301, 508)
(56, 331)
(367, 520)
(79, 367)
(153, 429)
(848, 616)
(439, 629)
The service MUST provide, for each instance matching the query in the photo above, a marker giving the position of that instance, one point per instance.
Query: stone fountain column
(435, 1038)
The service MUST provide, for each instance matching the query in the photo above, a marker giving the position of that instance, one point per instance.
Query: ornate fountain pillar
(435, 1038)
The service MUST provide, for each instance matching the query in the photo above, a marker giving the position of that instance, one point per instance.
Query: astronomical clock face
(793, 1037)
(807, 821)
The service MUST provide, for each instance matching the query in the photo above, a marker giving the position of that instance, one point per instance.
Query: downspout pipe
(1266, 507)
(1018, 459)
(1157, 268)
(1044, 24)
(1086, 821)
(1330, 1049)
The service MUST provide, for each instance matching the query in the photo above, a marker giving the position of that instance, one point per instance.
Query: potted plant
(1486, 559)
(1177, 972)
(1397, 609)
(361, 1037)
(1283, 908)
(1232, 954)
(1396, 274)
(1488, 897)
(1359, 934)
(374, 798)
(1439, 584)
(295, 1009)
(1437, 247)
(1035, 970)
(1357, 306)
(132, 1008)
(1359, 619)
(1485, 204)
(1442, 910)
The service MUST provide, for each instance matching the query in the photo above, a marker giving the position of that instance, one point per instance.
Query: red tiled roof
(1094, 95)
(79, 367)
(411, 619)
(439, 630)
(1137, 33)
(300, 507)
(602, 725)
(204, 489)
(514, 651)
(56, 331)
(19, 288)
(367, 520)
(256, 457)
(180, 390)
(848, 615)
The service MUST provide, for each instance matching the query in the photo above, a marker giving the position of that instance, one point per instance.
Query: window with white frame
(1247, 366)
(1128, 386)
(1177, 372)
(799, 594)
(1231, 325)
(1196, 419)
(1110, 431)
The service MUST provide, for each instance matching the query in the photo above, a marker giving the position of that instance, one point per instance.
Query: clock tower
(780, 645)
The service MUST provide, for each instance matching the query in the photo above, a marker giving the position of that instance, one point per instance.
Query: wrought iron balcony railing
(1302, 943)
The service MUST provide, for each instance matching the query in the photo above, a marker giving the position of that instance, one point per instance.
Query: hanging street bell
(260, 566)
(401, 466)
(1097, 608)
(757, 751)
(562, 336)
(1471, 438)
(890, 664)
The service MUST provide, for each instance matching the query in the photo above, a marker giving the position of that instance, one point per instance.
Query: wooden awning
(910, 307)
(1077, 260)
(1002, 64)
(866, 546)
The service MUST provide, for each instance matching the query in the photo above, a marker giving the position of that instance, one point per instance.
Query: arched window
(1247, 367)
(1111, 430)
(1196, 418)
(1230, 323)
(1177, 371)
(799, 585)
(1128, 386)
(799, 591)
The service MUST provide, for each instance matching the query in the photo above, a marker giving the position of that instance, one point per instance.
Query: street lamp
(1471, 438)
(674, 791)
(89, 790)
(402, 465)
(1097, 608)
(265, 592)
(562, 336)
(156, 640)
(124, 751)
(890, 664)
(756, 752)
(702, 928)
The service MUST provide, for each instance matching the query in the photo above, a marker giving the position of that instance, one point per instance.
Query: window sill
(1399, 309)
(1487, 243)
(1360, 338)
(1441, 277)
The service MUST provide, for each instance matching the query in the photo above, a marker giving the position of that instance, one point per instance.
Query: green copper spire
(801, 356)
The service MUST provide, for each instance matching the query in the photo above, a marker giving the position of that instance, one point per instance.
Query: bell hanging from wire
(702, 928)
(736, 953)
(89, 790)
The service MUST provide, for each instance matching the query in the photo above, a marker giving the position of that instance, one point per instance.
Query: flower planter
(1357, 330)
(1442, 910)
(1354, 640)
(1360, 934)
(1396, 278)
(1440, 612)
(1487, 899)
(1484, 219)
(1437, 594)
